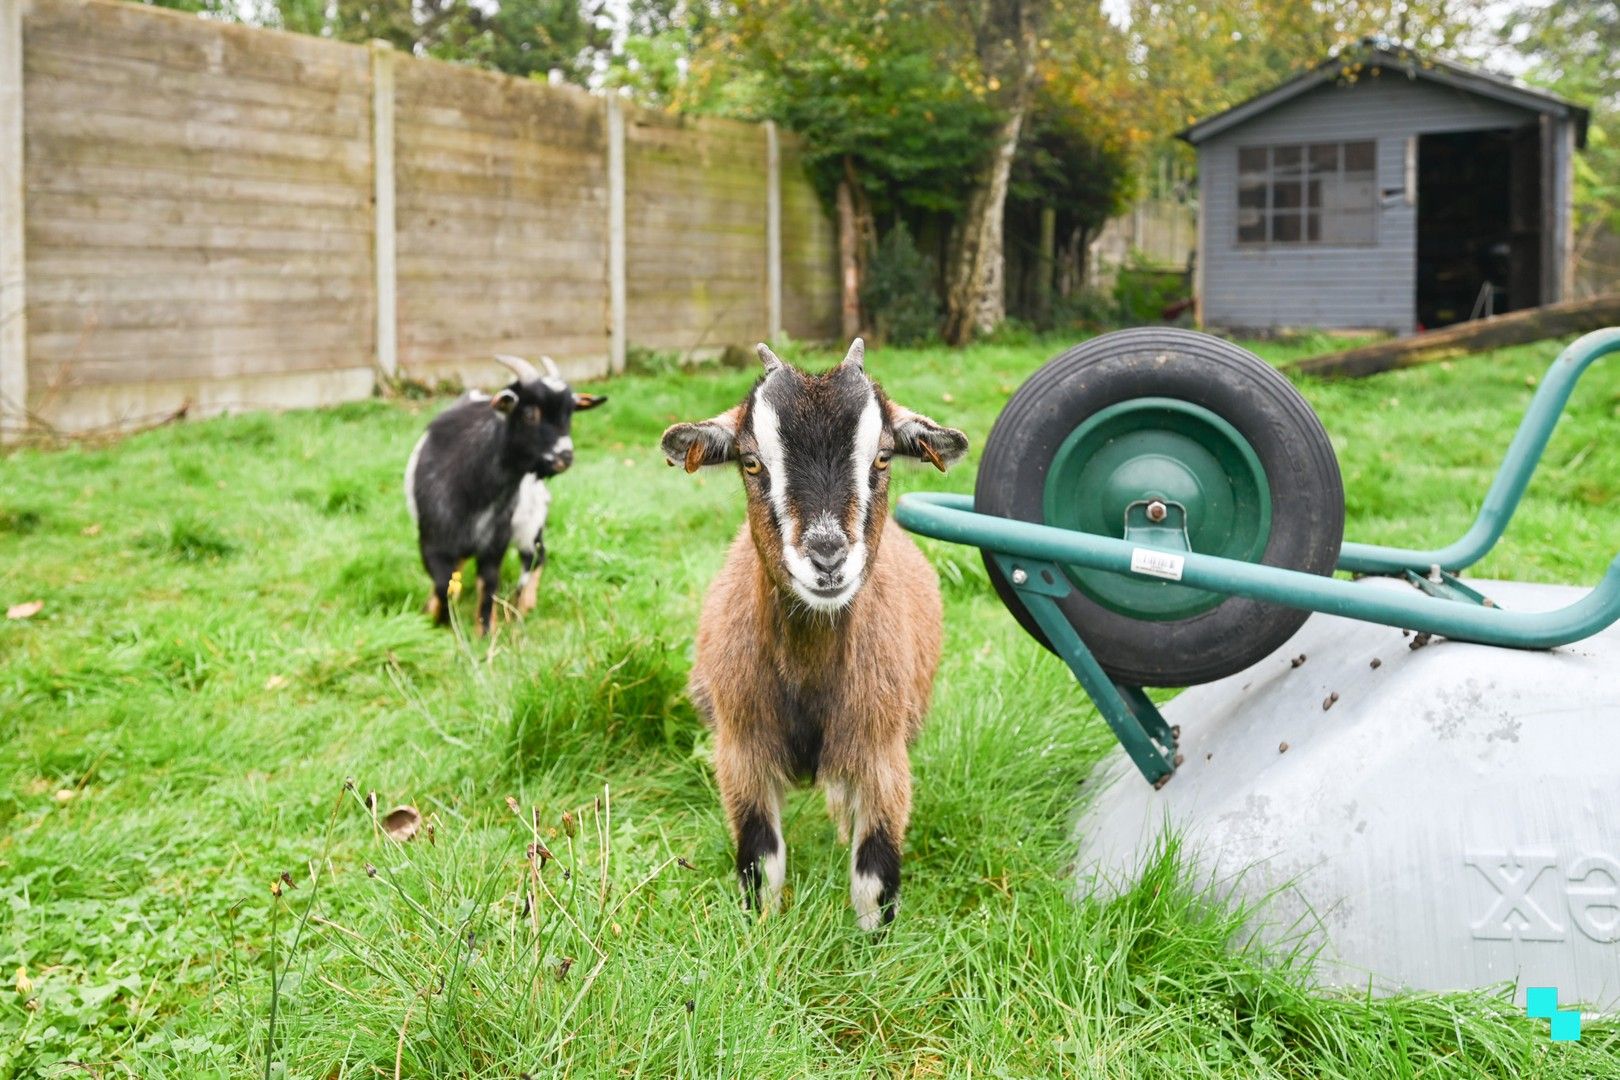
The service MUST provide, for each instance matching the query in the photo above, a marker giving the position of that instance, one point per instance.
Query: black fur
(879, 857)
(468, 473)
(819, 418)
(756, 838)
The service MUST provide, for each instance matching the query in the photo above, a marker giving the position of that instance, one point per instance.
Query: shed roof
(1351, 63)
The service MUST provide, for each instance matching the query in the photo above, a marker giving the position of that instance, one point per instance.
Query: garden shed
(1384, 190)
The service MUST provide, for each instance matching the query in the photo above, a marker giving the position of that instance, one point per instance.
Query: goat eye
(751, 464)
(882, 461)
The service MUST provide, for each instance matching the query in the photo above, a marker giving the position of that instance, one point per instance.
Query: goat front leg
(882, 805)
(489, 583)
(752, 794)
(441, 569)
(533, 560)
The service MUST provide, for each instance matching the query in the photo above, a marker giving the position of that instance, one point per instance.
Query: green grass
(231, 629)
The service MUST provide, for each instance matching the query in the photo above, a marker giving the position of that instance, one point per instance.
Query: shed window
(1311, 193)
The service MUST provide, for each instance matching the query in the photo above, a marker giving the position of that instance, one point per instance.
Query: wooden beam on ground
(1514, 328)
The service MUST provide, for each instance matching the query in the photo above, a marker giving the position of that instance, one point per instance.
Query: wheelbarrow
(1160, 507)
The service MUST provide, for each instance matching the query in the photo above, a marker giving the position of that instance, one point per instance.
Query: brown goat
(818, 640)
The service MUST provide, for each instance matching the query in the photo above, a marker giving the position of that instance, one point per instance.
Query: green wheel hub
(1163, 450)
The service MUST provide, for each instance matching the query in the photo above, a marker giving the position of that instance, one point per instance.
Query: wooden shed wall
(1317, 285)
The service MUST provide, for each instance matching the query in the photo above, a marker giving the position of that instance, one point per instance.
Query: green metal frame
(1523, 455)
(1033, 556)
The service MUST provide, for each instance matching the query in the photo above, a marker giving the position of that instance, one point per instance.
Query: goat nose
(827, 552)
(565, 458)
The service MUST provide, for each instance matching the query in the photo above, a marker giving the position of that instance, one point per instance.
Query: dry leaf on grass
(402, 822)
(25, 610)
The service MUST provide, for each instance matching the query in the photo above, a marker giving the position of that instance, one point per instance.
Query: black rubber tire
(1302, 473)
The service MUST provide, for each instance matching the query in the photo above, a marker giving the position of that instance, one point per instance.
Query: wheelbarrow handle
(951, 517)
(1523, 455)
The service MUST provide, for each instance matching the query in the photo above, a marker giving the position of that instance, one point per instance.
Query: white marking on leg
(773, 872)
(864, 891)
(410, 476)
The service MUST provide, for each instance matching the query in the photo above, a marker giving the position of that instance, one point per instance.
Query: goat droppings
(1327, 702)
(1282, 748)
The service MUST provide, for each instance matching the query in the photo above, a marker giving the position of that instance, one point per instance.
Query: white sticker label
(1156, 564)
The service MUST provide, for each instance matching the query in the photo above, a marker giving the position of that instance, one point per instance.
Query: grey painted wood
(1318, 285)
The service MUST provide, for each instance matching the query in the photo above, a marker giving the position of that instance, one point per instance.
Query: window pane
(1285, 160)
(1252, 194)
(1287, 195)
(1285, 229)
(1313, 227)
(1348, 228)
(1324, 157)
(1251, 227)
(1252, 159)
(1358, 157)
(1313, 192)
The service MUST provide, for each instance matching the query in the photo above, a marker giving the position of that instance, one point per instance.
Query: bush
(1086, 308)
(900, 291)
(1143, 292)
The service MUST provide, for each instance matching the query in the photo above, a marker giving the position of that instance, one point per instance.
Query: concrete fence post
(773, 233)
(382, 172)
(617, 316)
(13, 226)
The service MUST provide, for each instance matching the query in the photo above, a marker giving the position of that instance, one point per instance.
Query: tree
(883, 92)
(1005, 35)
(1575, 45)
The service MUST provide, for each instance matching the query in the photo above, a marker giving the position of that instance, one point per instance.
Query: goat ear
(504, 402)
(917, 436)
(708, 442)
(588, 401)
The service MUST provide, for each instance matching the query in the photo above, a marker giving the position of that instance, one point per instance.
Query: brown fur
(870, 668)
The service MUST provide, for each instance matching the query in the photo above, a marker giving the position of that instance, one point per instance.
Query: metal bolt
(1019, 577)
(1157, 511)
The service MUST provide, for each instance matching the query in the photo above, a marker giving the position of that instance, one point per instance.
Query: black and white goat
(476, 481)
(818, 640)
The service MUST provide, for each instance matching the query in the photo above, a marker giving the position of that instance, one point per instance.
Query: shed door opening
(1478, 224)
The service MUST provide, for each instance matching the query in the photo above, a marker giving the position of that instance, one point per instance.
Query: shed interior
(1479, 223)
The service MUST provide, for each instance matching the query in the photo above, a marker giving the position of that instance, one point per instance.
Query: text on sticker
(1159, 564)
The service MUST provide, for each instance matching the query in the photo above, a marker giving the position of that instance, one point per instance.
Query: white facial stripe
(565, 443)
(868, 433)
(768, 435)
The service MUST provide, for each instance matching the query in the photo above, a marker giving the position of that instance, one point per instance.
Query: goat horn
(551, 367)
(771, 361)
(519, 366)
(856, 354)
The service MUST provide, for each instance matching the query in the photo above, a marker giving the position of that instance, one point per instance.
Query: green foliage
(1574, 46)
(1143, 292)
(174, 737)
(887, 86)
(900, 291)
